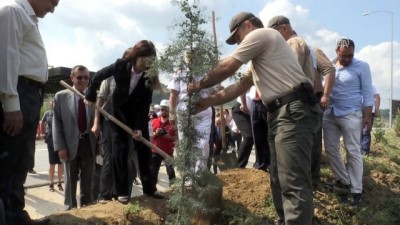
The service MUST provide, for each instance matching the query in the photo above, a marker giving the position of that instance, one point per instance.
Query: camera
(162, 131)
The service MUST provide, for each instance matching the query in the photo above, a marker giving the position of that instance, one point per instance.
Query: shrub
(397, 123)
(379, 132)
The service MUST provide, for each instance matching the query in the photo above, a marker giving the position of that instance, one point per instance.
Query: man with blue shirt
(348, 112)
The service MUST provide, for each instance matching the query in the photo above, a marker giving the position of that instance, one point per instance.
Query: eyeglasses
(82, 77)
(341, 56)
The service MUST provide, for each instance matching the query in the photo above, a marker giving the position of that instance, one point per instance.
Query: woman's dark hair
(142, 48)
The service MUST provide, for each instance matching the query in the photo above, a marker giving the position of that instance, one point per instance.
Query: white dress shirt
(135, 77)
(22, 50)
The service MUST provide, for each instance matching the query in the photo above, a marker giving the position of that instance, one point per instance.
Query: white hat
(156, 107)
(165, 103)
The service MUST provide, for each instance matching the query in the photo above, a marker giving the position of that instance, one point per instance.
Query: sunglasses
(82, 77)
(341, 56)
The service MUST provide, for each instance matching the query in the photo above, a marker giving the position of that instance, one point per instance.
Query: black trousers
(14, 154)
(81, 166)
(106, 176)
(316, 155)
(120, 159)
(156, 163)
(260, 134)
(32, 150)
(2, 213)
(243, 123)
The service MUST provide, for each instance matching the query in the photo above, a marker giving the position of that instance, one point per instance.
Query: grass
(133, 208)
(381, 187)
(381, 197)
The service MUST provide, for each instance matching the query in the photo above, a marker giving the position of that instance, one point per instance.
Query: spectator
(236, 136)
(326, 71)
(201, 122)
(366, 135)
(241, 116)
(348, 112)
(298, 46)
(259, 125)
(73, 140)
(163, 137)
(259, 130)
(23, 66)
(54, 159)
(157, 110)
(218, 146)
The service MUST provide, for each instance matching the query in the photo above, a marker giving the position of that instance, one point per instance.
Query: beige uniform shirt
(275, 68)
(324, 66)
(303, 53)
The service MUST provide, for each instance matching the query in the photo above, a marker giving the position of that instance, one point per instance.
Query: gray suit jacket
(65, 124)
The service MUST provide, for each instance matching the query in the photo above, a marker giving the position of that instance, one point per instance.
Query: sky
(96, 33)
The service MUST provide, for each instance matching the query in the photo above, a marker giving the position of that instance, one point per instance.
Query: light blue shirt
(352, 90)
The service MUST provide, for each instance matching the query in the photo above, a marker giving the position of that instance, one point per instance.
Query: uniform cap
(235, 23)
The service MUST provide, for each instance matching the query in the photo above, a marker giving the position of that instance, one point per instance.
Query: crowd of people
(283, 108)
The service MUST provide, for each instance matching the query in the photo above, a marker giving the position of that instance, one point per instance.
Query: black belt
(31, 82)
(277, 103)
(83, 136)
(303, 92)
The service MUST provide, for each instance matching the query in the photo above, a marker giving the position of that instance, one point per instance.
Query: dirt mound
(246, 191)
(245, 188)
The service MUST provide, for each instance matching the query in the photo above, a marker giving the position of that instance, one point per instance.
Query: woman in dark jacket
(130, 104)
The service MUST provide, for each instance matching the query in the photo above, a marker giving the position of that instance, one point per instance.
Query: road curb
(36, 185)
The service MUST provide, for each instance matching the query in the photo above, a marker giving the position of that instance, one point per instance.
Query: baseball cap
(236, 21)
(164, 103)
(156, 107)
(278, 20)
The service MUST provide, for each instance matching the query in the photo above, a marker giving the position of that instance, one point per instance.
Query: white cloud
(378, 57)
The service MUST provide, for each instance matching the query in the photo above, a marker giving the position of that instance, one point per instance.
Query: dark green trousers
(292, 130)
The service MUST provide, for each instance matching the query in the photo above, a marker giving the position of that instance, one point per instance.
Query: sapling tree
(189, 57)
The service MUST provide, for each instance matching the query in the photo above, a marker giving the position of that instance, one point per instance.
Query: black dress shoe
(156, 195)
(32, 171)
(123, 199)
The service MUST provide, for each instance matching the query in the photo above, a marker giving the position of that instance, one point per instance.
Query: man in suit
(73, 140)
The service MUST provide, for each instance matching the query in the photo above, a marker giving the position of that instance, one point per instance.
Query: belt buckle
(82, 136)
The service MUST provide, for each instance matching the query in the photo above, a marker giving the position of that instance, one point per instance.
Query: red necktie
(81, 115)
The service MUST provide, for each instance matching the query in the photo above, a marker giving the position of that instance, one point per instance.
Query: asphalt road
(41, 167)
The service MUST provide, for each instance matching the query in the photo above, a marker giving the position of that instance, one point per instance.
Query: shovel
(119, 123)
